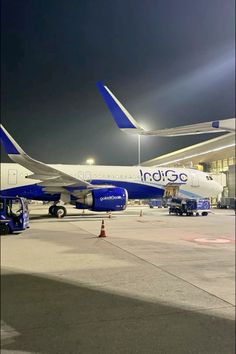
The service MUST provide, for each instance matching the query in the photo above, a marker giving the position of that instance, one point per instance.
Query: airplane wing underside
(128, 124)
(193, 129)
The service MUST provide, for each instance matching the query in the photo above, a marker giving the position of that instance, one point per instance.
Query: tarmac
(157, 283)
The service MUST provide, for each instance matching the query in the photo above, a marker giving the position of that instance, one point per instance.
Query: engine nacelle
(104, 199)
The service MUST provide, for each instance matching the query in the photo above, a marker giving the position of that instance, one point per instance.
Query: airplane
(129, 125)
(97, 188)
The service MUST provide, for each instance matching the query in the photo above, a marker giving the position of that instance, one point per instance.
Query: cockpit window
(209, 178)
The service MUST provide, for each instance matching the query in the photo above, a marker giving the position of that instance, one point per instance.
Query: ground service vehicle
(189, 207)
(227, 203)
(14, 215)
(155, 203)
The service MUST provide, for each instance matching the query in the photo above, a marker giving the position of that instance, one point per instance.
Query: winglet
(122, 117)
(10, 145)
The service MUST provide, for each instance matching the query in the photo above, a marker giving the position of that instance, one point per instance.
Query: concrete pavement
(156, 284)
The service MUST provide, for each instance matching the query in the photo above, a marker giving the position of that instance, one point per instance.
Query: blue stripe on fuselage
(32, 191)
(135, 190)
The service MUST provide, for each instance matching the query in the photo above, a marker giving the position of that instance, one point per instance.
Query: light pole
(90, 161)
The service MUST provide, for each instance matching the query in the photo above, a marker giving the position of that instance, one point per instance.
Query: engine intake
(104, 199)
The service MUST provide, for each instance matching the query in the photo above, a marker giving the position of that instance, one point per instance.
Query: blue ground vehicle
(155, 203)
(14, 215)
(189, 207)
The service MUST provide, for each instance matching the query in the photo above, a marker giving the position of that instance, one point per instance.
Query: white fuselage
(191, 183)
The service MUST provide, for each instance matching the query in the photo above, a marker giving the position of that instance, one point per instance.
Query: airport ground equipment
(103, 231)
(14, 215)
(189, 207)
(155, 203)
(227, 203)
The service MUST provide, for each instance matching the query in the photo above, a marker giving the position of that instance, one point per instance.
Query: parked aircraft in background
(128, 124)
(98, 188)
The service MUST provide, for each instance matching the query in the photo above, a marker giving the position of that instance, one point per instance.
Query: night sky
(170, 62)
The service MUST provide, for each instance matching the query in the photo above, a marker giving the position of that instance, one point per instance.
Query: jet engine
(104, 199)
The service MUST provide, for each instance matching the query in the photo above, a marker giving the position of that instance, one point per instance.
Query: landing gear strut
(57, 211)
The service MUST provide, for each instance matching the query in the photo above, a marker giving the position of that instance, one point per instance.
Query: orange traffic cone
(141, 213)
(109, 215)
(102, 232)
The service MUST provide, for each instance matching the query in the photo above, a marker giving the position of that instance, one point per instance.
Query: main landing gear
(57, 211)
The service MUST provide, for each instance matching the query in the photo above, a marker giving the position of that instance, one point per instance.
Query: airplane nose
(218, 188)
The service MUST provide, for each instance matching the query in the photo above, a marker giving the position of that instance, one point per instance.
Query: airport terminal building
(216, 156)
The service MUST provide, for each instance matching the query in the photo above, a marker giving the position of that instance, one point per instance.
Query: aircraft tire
(60, 212)
(4, 230)
(51, 209)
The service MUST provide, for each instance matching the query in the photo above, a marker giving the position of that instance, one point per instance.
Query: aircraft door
(171, 191)
(12, 177)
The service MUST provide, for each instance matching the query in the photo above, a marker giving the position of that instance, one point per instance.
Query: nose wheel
(57, 211)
